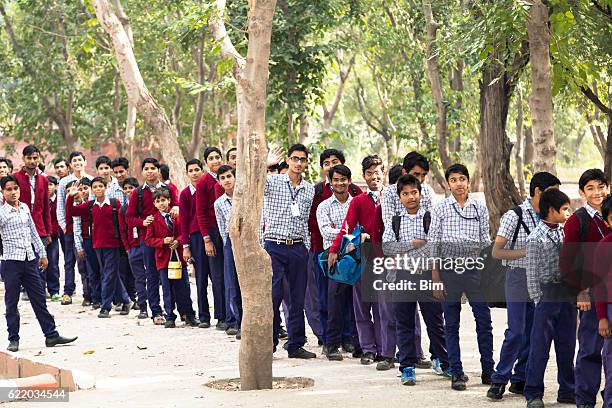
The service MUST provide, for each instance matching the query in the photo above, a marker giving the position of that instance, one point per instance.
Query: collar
(53, 197)
(224, 197)
(468, 202)
(164, 214)
(9, 207)
(551, 225)
(285, 177)
(591, 211)
(158, 185)
(192, 189)
(36, 172)
(527, 205)
(420, 212)
(103, 203)
(334, 198)
(377, 193)
(214, 175)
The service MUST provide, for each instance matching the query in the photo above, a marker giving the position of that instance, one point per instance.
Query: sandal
(159, 320)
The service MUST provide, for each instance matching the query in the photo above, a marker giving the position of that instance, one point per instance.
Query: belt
(286, 241)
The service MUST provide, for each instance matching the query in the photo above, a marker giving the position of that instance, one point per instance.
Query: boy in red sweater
(106, 227)
(163, 235)
(52, 272)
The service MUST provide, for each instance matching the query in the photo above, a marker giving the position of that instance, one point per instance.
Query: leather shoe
(221, 326)
(496, 392)
(302, 353)
(458, 382)
(191, 321)
(204, 325)
(486, 378)
(13, 345)
(125, 308)
(334, 354)
(54, 341)
(535, 403)
(348, 347)
(517, 387)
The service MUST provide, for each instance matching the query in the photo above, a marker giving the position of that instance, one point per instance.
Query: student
(231, 155)
(395, 173)
(287, 201)
(586, 226)
(191, 239)
(23, 257)
(459, 230)
(283, 168)
(208, 190)
(163, 234)
(104, 170)
(330, 216)
(52, 272)
(374, 320)
(223, 207)
(515, 348)
(139, 215)
(121, 167)
(106, 239)
(554, 318)
(6, 166)
(61, 168)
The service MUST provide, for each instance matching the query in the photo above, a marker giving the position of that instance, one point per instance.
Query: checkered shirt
(507, 226)
(543, 248)
(391, 204)
(411, 228)
(223, 208)
(330, 216)
(19, 234)
(114, 191)
(61, 199)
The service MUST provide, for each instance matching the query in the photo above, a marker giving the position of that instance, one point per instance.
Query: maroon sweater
(361, 211)
(134, 218)
(103, 224)
(187, 215)
(207, 191)
(55, 228)
(602, 261)
(40, 212)
(156, 233)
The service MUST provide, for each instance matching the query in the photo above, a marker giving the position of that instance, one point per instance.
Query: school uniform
(460, 233)
(83, 242)
(52, 273)
(208, 190)
(590, 344)
(191, 236)
(34, 192)
(136, 213)
(554, 317)
(602, 293)
(176, 291)
(519, 307)
(131, 243)
(286, 239)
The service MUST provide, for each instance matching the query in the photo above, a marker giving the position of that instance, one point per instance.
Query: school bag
(114, 204)
(347, 268)
(584, 220)
(396, 222)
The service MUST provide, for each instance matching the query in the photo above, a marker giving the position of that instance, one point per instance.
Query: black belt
(286, 241)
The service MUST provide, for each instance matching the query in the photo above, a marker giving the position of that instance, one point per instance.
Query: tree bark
(456, 84)
(476, 181)
(540, 103)
(196, 129)
(153, 114)
(603, 143)
(528, 150)
(518, 151)
(253, 264)
(304, 128)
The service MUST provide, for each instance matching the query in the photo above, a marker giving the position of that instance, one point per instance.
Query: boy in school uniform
(584, 228)
(52, 272)
(410, 237)
(106, 240)
(554, 318)
(6, 166)
(223, 207)
(23, 255)
(120, 167)
(459, 230)
(510, 245)
(163, 234)
(230, 156)
(191, 239)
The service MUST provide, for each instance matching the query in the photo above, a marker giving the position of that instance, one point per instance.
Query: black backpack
(397, 220)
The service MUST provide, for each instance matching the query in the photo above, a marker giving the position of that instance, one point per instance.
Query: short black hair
(72, 183)
(231, 149)
(552, 199)
(542, 180)
(8, 162)
(161, 192)
(86, 182)
(415, 159)
(7, 179)
(99, 180)
(30, 150)
(327, 153)
(282, 166)
(606, 207)
(369, 161)
(340, 169)
(52, 180)
(104, 160)
(298, 147)
(164, 170)
(121, 162)
(407, 180)
(75, 154)
(211, 149)
(192, 162)
(225, 168)
(132, 181)
(456, 168)
(395, 173)
(590, 175)
(150, 160)
(59, 160)
(41, 167)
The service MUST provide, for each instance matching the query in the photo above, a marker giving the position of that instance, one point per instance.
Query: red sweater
(135, 219)
(361, 211)
(154, 238)
(207, 191)
(103, 225)
(40, 213)
(602, 260)
(127, 233)
(55, 228)
(188, 216)
(316, 240)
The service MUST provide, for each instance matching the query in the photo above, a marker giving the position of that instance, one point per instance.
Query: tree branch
(363, 110)
(605, 10)
(217, 27)
(588, 92)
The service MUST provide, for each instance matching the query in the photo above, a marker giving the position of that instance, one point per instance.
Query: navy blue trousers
(25, 273)
(69, 264)
(214, 269)
(108, 258)
(126, 276)
(52, 273)
(136, 260)
(196, 245)
(177, 294)
(588, 359)
(93, 272)
(152, 284)
(340, 329)
(232, 286)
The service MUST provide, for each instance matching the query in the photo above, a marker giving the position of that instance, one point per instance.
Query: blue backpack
(347, 268)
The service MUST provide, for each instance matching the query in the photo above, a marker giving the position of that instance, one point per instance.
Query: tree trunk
(528, 150)
(457, 86)
(304, 127)
(518, 151)
(608, 156)
(196, 129)
(153, 114)
(540, 103)
(476, 181)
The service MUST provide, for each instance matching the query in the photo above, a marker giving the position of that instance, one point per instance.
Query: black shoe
(231, 331)
(54, 341)
(204, 325)
(423, 364)
(496, 392)
(358, 353)
(458, 382)
(238, 335)
(567, 399)
(348, 347)
(334, 354)
(302, 353)
(191, 321)
(517, 387)
(143, 314)
(589, 405)
(95, 306)
(169, 324)
(319, 342)
(535, 403)
(368, 358)
(13, 346)
(125, 309)
(135, 306)
(486, 379)
(286, 345)
(221, 326)
(282, 334)
(86, 303)
(385, 364)
(104, 314)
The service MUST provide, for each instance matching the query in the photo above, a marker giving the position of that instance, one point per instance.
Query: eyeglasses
(297, 159)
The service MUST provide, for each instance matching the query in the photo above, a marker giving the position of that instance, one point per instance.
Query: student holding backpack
(510, 245)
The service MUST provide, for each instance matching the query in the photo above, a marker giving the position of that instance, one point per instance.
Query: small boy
(554, 317)
(163, 234)
(52, 273)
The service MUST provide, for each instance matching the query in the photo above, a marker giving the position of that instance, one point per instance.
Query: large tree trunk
(528, 150)
(153, 114)
(518, 151)
(196, 130)
(540, 103)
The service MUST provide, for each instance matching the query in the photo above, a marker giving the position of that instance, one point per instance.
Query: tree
(253, 264)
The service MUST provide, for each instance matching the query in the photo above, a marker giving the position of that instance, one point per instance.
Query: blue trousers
(289, 262)
(136, 260)
(108, 258)
(152, 284)
(69, 264)
(93, 272)
(196, 245)
(125, 273)
(177, 294)
(552, 321)
(517, 337)
(588, 359)
(25, 273)
(312, 299)
(468, 283)
(607, 363)
(52, 273)
(214, 268)
(339, 297)
(232, 285)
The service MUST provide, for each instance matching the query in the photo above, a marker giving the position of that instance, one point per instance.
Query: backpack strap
(125, 230)
(139, 195)
(521, 222)
(318, 188)
(585, 219)
(90, 206)
(426, 222)
(114, 205)
(354, 189)
(396, 222)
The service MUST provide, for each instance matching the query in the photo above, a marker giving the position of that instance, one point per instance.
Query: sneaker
(302, 353)
(169, 324)
(118, 308)
(86, 303)
(56, 297)
(385, 364)
(535, 403)
(231, 331)
(334, 354)
(567, 399)
(423, 364)
(125, 308)
(143, 314)
(486, 378)
(104, 314)
(66, 300)
(436, 366)
(408, 376)
(368, 358)
(517, 387)
(496, 391)
(95, 306)
(457, 382)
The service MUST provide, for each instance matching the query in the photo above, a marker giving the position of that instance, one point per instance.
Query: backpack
(114, 204)
(347, 268)
(353, 189)
(584, 219)
(397, 220)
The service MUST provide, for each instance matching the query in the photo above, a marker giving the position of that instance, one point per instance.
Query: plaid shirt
(61, 199)
(458, 232)
(330, 215)
(411, 228)
(223, 208)
(543, 247)
(279, 195)
(19, 234)
(391, 204)
(507, 226)
(114, 191)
